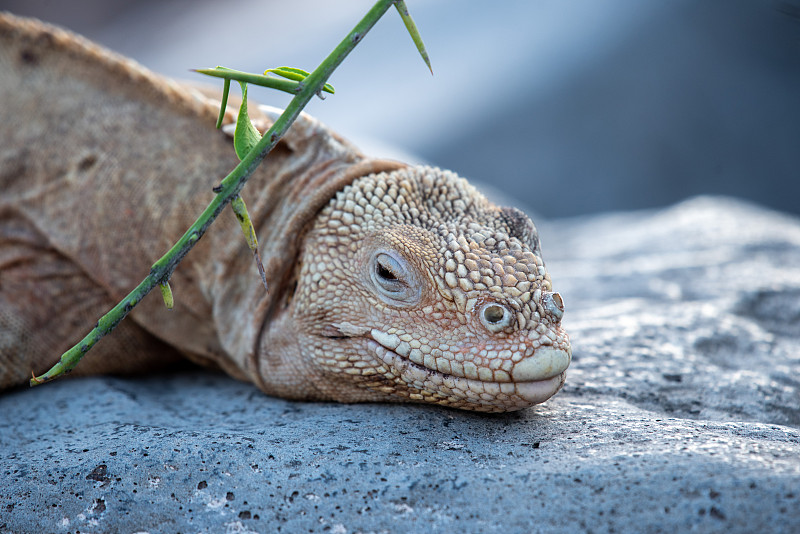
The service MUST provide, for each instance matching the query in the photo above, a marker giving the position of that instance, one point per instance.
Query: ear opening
(291, 286)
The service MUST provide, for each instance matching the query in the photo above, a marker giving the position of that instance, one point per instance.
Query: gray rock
(681, 413)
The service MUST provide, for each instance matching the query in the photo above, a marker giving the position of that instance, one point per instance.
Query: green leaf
(412, 30)
(225, 73)
(166, 293)
(298, 75)
(245, 137)
(240, 210)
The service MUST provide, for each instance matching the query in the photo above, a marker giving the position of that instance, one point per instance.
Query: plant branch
(229, 188)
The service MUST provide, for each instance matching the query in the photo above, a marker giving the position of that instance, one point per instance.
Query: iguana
(388, 282)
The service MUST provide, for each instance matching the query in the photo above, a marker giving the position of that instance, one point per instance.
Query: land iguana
(388, 282)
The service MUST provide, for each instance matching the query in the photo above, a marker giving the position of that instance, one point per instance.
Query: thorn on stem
(402, 9)
(224, 102)
(260, 267)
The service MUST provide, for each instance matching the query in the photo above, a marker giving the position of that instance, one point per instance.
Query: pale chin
(540, 390)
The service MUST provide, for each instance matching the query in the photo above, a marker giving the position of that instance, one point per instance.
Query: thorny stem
(229, 189)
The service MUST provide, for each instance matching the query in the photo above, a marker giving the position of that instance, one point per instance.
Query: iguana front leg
(47, 301)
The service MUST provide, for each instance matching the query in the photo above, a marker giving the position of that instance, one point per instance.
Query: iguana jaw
(532, 381)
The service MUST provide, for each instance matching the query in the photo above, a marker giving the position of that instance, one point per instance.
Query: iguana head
(413, 286)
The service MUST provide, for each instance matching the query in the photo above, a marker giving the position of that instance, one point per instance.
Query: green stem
(230, 188)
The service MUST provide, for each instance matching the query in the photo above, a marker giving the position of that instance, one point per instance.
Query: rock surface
(681, 413)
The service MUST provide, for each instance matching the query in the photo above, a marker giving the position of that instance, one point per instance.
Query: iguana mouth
(422, 377)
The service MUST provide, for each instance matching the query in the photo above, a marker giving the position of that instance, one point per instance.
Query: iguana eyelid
(388, 268)
(394, 279)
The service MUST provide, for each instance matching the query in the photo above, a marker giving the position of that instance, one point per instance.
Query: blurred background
(567, 107)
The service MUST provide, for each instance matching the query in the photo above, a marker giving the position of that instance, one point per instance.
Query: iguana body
(388, 282)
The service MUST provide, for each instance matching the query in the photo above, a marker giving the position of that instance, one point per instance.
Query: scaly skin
(388, 282)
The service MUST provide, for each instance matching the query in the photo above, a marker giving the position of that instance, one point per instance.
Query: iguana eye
(393, 279)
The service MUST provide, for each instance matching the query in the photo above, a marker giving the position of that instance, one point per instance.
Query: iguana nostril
(553, 303)
(495, 317)
(494, 313)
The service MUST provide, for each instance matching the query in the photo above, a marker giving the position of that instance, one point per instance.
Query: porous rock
(681, 413)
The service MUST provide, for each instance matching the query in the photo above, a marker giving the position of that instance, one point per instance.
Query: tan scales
(388, 282)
